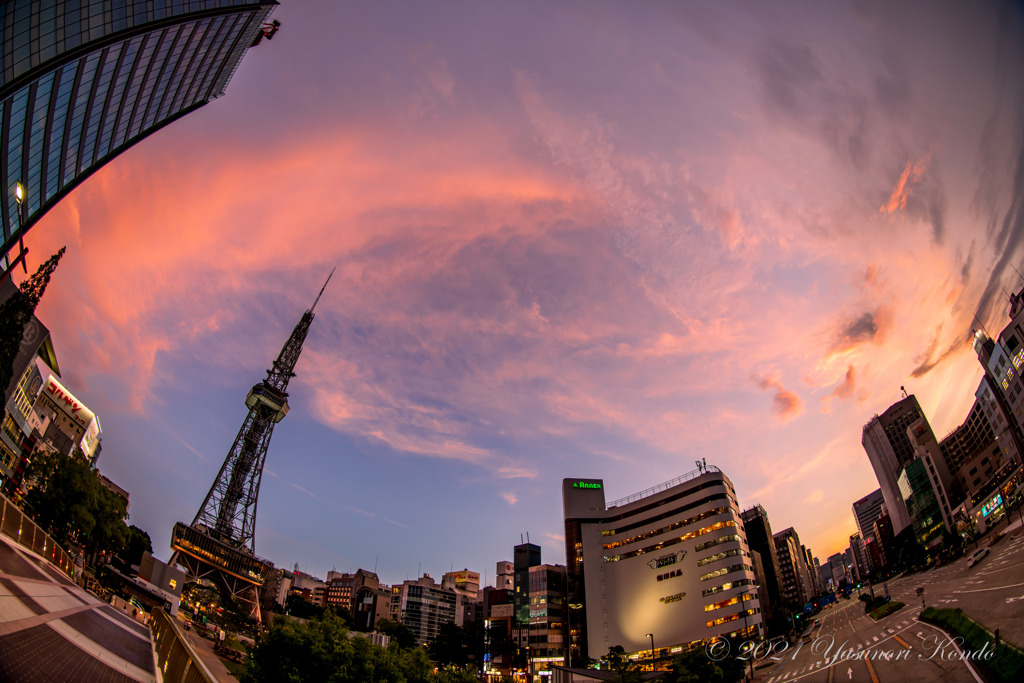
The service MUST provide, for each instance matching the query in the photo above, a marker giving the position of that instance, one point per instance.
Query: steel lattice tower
(219, 544)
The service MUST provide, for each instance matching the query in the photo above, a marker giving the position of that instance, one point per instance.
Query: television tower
(219, 544)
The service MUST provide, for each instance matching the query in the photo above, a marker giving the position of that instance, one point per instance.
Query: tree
(458, 646)
(695, 666)
(136, 546)
(15, 314)
(399, 633)
(322, 650)
(618, 661)
(66, 497)
(298, 606)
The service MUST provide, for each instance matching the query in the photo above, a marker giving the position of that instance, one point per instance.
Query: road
(848, 645)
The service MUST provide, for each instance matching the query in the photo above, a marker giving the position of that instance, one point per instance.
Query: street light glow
(19, 192)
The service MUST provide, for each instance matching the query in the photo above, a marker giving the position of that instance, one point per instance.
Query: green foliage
(322, 650)
(1007, 664)
(399, 633)
(342, 613)
(66, 497)
(694, 666)
(458, 646)
(450, 675)
(136, 546)
(618, 661)
(886, 609)
(15, 314)
(298, 606)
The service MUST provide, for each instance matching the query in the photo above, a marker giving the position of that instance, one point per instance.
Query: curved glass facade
(84, 80)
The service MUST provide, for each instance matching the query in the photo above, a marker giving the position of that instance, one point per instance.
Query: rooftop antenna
(904, 392)
(375, 563)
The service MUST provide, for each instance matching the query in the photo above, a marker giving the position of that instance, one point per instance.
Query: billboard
(91, 439)
(67, 403)
(991, 506)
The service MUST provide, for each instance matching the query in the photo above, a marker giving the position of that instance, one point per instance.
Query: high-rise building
(1003, 361)
(791, 572)
(81, 82)
(860, 555)
(889, 449)
(866, 511)
(812, 571)
(760, 539)
(671, 561)
(1000, 421)
(548, 611)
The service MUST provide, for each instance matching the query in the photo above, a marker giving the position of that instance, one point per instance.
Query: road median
(999, 661)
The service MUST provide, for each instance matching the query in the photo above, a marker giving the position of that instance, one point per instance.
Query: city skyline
(639, 238)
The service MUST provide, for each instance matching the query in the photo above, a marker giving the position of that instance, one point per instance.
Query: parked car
(976, 556)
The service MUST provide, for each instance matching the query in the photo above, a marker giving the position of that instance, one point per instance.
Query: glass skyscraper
(83, 80)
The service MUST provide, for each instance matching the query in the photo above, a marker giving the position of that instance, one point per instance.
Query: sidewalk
(52, 630)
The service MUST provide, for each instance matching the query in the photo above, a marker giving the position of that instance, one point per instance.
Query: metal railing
(17, 525)
(177, 660)
(664, 486)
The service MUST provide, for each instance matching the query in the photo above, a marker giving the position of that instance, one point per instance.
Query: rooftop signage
(586, 484)
(68, 403)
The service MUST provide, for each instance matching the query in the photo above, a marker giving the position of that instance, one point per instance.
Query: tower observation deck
(219, 543)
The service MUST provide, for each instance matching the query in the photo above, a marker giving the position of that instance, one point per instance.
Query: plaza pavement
(52, 630)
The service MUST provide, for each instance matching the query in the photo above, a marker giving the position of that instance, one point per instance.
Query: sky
(574, 239)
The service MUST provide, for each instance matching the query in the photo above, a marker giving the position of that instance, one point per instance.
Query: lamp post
(573, 607)
(651, 636)
(19, 197)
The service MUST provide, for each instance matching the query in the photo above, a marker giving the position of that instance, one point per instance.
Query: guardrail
(664, 486)
(15, 524)
(177, 660)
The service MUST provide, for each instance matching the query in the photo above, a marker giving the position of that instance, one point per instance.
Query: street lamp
(19, 197)
(651, 636)
(573, 606)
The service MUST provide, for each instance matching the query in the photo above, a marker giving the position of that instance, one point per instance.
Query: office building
(504, 578)
(792, 573)
(760, 539)
(81, 82)
(546, 633)
(866, 511)
(35, 360)
(671, 561)
(499, 643)
(860, 556)
(889, 449)
(1003, 360)
(424, 607)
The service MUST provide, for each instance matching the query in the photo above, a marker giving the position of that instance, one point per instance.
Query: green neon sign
(586, 484)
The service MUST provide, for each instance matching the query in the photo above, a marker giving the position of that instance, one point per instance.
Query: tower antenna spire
(322, 290)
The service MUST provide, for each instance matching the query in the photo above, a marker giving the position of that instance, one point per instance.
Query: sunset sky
(573, 239)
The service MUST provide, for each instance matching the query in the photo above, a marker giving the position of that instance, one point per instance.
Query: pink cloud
(788, 404)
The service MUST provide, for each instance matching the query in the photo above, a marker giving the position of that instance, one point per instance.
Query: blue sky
(572, 240)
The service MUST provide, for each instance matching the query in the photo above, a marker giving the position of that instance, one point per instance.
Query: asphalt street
(847, 645)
